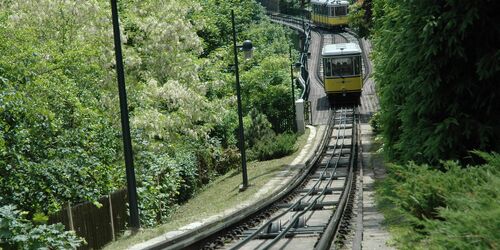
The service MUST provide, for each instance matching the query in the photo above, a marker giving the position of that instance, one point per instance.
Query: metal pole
(240, 113)
(293, 91)
(302, 15)
(127, 142)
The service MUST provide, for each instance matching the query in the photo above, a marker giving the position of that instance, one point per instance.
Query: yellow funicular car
(329, 13)
(342, 73)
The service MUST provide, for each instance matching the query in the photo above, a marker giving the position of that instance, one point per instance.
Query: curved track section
(306, 214)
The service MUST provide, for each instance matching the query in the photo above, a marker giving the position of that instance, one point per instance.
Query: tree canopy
(60, 135)
(437, 66)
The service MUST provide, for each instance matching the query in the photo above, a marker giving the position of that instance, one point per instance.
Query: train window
(341, 11)
(327, 67)
(342, 66)
(357, 65)
(324, 10)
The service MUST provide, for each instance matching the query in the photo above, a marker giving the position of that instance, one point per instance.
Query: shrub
(226, 160)
(432, 60)
(375, 122)
(158, 184)
(257, 127)
(186, 165)
(273, 147)
(17, 232)
(454, 209)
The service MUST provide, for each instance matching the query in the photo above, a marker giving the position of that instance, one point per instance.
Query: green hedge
(273, 147)
(456, 209)
(436, 67)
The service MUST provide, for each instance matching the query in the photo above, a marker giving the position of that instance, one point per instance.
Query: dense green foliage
(360, 17)
(456, 209)
(57, 143)
(60, 134)
(437, 72)
(293, 7)
(17, 232)
(271, 148)
(437, 66)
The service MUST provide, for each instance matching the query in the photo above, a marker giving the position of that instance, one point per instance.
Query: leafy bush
(360, 17)
(256, 128)
(226, 160)
(58, 142)
(186, 164)
(158, 185)
(375, 122)
(456, 209)
(273, 147)
(436, 66)
(16, 232)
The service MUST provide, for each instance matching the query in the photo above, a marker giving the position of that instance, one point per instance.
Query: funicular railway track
(309, 216)
(307, 213)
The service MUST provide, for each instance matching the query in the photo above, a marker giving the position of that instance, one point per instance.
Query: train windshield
(341, 11)
(320, 9)
(342, 67)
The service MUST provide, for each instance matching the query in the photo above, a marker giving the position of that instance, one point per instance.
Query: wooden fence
(98, 226)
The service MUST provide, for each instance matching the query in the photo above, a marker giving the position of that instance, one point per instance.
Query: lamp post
(247, 48)
(302, 15)
(127, 142)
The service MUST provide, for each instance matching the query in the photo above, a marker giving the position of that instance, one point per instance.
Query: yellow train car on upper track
(342, 69)
(329, 13)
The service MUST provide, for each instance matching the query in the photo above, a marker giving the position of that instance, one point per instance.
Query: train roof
(341, 49)
(330, 2)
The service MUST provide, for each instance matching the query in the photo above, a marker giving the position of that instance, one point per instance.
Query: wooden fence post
(111, 216)
(70, 217)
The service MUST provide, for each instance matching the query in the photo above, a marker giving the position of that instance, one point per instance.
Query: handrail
(304, 72)
(304, 27)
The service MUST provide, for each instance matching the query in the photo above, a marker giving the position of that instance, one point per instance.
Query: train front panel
(343, 86)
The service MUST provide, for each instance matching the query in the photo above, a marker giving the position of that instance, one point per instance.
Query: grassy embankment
(220, 195)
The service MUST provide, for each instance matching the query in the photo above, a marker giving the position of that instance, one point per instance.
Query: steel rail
(343, 117)
(330, 232)
(295, 218)
(306, 29)
(191, 238)
(296, 204)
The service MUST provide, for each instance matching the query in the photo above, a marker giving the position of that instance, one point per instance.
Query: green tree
(58, 144)
(59, 128)
(213, 20)
(437, 66)
(360, 17)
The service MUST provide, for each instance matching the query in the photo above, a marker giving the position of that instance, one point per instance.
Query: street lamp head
(248, 48)
(247, 45)
(296, 67)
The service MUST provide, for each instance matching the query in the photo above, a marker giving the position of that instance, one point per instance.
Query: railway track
(307, 213)
(308, 217)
